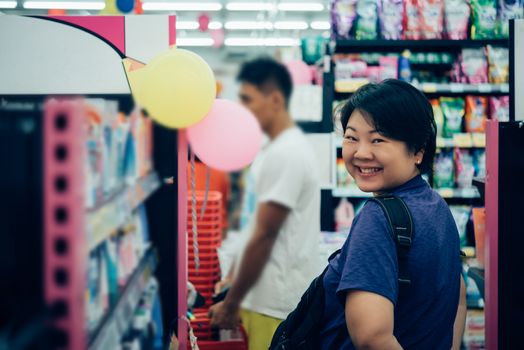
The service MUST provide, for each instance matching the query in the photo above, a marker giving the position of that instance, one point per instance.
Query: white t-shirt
(285, 173)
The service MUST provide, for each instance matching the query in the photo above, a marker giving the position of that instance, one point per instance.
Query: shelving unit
(117, 320)
(106, 218)
(346, 46)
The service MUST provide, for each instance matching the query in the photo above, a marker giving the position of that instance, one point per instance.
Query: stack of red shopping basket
(209, 233)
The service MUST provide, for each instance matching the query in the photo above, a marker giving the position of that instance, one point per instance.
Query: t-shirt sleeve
(371, 261)
(281, 179)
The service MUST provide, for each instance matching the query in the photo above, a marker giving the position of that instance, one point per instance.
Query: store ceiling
(243, 22)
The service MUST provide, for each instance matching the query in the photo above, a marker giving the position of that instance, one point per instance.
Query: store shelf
(111, 329)
(460, 140)
(350, 192)
(343, 89)
(463, 140)
(103, 220)
(423, 45)
(477, 274)
(470, 192)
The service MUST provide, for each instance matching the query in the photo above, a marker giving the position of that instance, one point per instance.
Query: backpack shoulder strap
(401, 223)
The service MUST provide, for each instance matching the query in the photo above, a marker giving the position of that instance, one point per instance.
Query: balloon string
(208, 178)
(194, 211)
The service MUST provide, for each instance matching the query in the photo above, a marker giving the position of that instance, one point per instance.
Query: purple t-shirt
(426, 309)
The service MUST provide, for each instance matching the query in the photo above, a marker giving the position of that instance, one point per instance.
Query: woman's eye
(377, 140)
(350, 138)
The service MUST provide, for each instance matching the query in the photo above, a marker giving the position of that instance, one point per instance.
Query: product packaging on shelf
(444, 171)
(367, 19)
(431, 14)
(499, 108)
(343, 14)
(461, 214)
(476, 113)
(498, 64)
(457, 14)
(484, 19)
(391, 13)
(453, 110)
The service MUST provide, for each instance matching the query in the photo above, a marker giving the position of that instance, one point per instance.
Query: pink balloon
(300, 72)
(228, 138)
(218, 37)
(203, 22)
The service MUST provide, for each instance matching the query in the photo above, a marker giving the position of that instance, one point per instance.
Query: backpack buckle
(404, 241)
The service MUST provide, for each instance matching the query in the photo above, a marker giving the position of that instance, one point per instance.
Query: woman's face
(377, 163)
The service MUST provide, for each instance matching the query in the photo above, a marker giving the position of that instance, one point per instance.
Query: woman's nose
(363, 151)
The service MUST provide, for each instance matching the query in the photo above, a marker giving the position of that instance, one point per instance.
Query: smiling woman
(389, 141)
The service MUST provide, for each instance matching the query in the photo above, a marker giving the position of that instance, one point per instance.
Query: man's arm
(269, 220)
(460, 319)
(369, 319)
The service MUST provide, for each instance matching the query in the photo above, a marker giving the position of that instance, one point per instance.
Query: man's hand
(223, 284)
(224, 315)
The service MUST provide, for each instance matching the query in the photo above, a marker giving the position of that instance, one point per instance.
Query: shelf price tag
(463, 140)
(456, 87)
(446, 192)
(429, 87)
(485, 88)
(479, 139)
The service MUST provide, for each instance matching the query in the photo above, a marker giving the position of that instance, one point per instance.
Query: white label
(456, 88)
(485, 88)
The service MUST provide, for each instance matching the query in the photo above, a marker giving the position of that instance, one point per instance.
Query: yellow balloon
(178, 89)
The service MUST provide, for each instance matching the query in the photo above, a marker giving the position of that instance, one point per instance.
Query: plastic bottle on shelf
(404, 69)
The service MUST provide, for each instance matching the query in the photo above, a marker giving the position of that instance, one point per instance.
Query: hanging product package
(431, 18)
(508, 9)
(498, 59)
(453, 109)
(484, 19)
(367, 20)
(456, 19)
(499, 107)
(464, 168)
(343, 14)
(391, 14)
(474, 65)
(411, 20)
(476, 113)
(444, 171)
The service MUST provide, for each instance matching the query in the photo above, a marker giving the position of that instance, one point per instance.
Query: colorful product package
(461, 214)
(367, 19)
(474, 66)
(439, 116)
(464, 169)
(411, 20)
(389, 66)
(431, 18)
(508, 9)
(484, 19)
(453, 110)
(476, 113)
(444, 171)
(457, 14)
(391, 13)
(499, 107)
(343, 14)
(498, 59)
(479, 162)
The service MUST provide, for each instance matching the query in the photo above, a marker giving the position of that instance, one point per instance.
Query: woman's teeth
(369, 170)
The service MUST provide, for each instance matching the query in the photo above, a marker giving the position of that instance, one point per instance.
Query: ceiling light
(298, 25)
(262, 42)
(320, 25)
(248, 25)
(65, 5)
(188, 25)
(300, 6)
(249, 6)
(194, 42)
(181, 6)
(215, 25)
(8, 4)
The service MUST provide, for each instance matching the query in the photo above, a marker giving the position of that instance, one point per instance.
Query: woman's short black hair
(399, 111)
(266, 74)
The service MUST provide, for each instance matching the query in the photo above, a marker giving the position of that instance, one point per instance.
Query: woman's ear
(277, 100)
(419, 157)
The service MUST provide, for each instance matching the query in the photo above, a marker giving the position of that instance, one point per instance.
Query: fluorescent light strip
(8, 4)
(247, 25)
(65, 5)
(262, 42)
(194, 42)
(249, 6)
(215, 25)
(181, 6)
(320, 25)
(298, 25)
(193, 25)
(300, 6)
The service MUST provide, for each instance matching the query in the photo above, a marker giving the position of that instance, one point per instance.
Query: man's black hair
(266, 74)
(399, 111)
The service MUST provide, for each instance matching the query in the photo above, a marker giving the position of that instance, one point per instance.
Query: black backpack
(300, 330)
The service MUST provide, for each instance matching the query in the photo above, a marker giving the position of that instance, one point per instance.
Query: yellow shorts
(259, 328)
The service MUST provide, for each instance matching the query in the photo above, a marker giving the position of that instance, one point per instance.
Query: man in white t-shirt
(280, 257)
